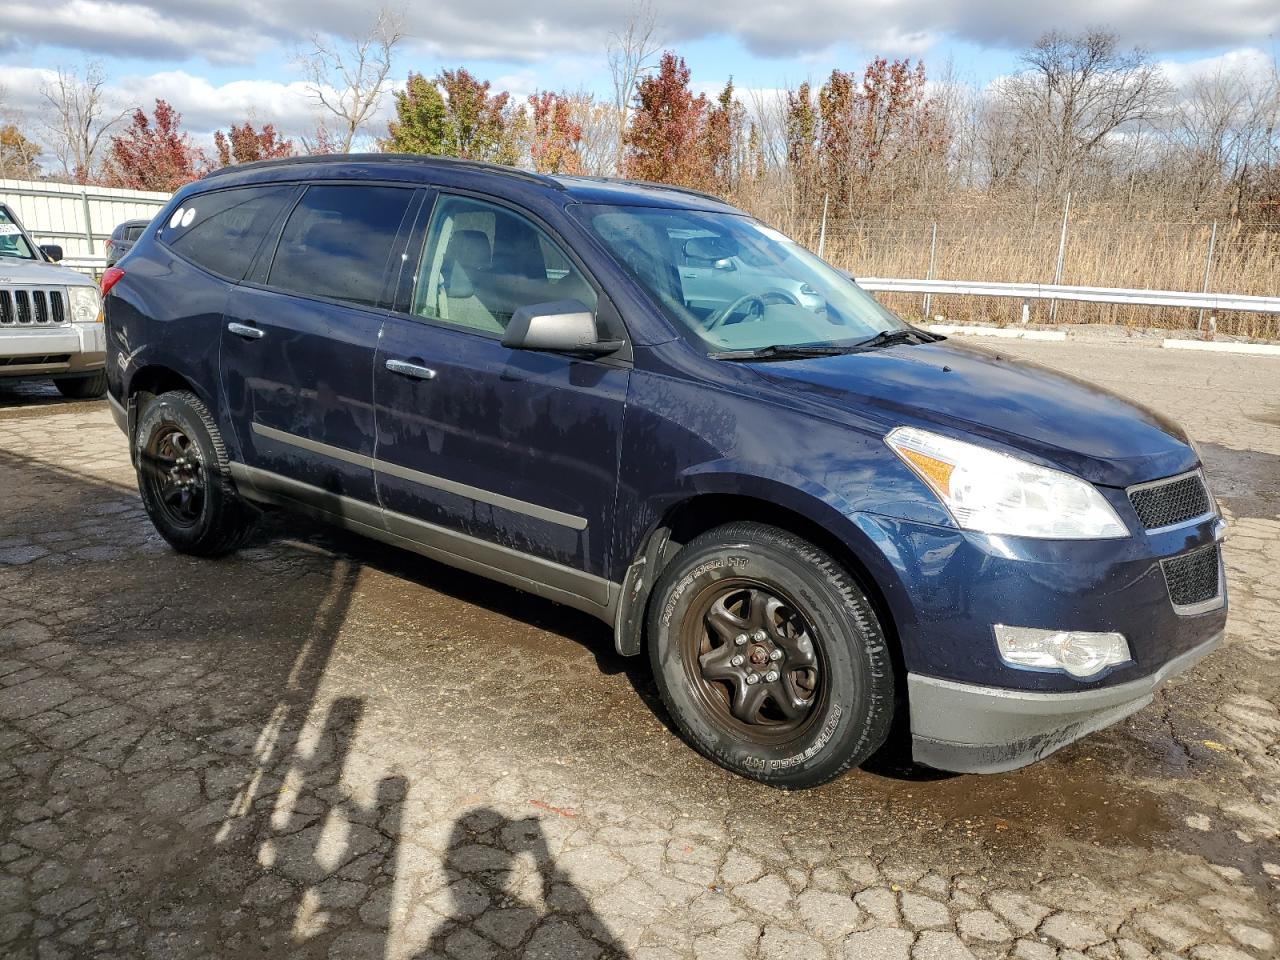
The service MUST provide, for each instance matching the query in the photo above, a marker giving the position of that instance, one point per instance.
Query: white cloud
(234, 31)
(1248, 62)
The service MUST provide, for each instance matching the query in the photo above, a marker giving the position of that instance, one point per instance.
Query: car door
(502, 460)
(299, 342)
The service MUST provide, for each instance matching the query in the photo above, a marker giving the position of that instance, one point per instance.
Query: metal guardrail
(1049, 291)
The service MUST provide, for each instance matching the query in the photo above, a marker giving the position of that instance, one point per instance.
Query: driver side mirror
(559, 326)
(51, 251)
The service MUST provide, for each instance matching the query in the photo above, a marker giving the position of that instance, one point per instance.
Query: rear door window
(337, 242)
(220, 231)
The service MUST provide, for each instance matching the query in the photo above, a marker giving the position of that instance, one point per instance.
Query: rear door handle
(413, 370)
(246, 331)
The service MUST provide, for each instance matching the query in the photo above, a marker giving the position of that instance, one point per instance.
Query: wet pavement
(322, 747)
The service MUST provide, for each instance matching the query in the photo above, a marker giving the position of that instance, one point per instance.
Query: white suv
(50, 321)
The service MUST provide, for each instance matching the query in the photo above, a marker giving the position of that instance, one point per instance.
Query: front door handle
(246, 331)
(414, 370)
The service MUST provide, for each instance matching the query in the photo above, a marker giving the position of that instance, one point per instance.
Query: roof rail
(678, 189)
(413, 158)
(653, 185)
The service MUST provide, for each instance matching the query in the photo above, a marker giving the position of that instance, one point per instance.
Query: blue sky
(217, 62)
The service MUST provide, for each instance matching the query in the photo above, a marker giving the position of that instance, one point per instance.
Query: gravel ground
(321, 747)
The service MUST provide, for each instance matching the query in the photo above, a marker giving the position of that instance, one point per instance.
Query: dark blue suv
(820, 522)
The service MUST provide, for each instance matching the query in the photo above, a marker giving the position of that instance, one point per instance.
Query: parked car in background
(817, 520)
(50, 321)
(122, 239)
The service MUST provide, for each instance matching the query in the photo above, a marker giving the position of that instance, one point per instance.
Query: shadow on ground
(192, 789)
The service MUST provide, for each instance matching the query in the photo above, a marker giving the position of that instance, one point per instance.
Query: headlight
(85, 303)
(991, 492)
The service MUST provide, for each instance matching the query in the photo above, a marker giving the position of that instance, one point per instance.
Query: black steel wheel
(184, 476)
(770, 657)
(171, 468)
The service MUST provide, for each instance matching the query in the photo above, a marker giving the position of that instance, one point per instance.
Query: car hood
(33, 273)
(1064, 421)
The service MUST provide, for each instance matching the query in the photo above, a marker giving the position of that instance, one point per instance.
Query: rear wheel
(769, 656)
(185, 479)
(89, 387)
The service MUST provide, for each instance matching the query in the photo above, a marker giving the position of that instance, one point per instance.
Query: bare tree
(79, 118)
(631, 54)
(1075, 93)
(348, 76)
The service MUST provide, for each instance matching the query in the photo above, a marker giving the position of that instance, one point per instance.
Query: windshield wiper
(887, 338)
(780, 351)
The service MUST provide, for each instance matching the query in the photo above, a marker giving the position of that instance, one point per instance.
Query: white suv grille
(32, 307)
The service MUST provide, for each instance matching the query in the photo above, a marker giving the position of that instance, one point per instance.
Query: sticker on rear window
(9, 230)
(188, 216)
(176, 218)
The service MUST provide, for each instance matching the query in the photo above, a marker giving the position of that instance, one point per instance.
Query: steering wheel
(758, 301)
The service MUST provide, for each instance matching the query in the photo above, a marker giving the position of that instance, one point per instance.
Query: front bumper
(968, 728)
(71, 349)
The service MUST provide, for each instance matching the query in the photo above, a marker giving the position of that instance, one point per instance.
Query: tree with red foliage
(801, 133)
(838, 119)
(480, 125)
(724, 140)
(245, 144)
(666, 137)
(153, 156)
(556, 140)
(865, 138)
(896, 118)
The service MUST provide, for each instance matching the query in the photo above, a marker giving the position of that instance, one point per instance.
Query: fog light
(1078, 652)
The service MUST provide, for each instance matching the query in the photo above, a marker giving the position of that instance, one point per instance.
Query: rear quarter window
(221, 231)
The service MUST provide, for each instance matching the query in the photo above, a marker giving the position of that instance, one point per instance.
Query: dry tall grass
(1106, 247)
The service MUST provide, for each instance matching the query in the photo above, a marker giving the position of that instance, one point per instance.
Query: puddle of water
(1060, 798)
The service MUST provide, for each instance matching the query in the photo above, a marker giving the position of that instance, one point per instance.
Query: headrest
(470, 248)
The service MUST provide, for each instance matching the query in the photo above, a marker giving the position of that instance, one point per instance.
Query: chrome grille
(1165, 503)
(1194, 579)
(32, 307)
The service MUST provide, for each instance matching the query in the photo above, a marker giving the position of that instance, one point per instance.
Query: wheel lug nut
(752, 679)
(759, 636)
(771, 676)
(740, 639)
(775, 656)
(738, 661)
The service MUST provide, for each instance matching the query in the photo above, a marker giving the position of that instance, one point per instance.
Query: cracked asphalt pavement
(322, 747)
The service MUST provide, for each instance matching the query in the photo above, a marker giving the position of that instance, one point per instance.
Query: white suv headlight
(991, 492)
(85, 304)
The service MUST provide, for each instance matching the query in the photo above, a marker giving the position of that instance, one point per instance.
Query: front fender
(860, 533)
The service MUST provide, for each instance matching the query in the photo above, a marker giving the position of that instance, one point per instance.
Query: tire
(89, 387)
(185, 479)
(828, 704)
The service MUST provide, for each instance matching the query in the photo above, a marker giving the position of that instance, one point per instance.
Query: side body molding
(574, 588)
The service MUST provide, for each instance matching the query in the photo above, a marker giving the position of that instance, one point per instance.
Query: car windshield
(12, 242)
(733, 284)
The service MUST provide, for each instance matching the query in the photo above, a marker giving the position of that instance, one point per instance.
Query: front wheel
(769, 656)
(185, 479)
(89, 387)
